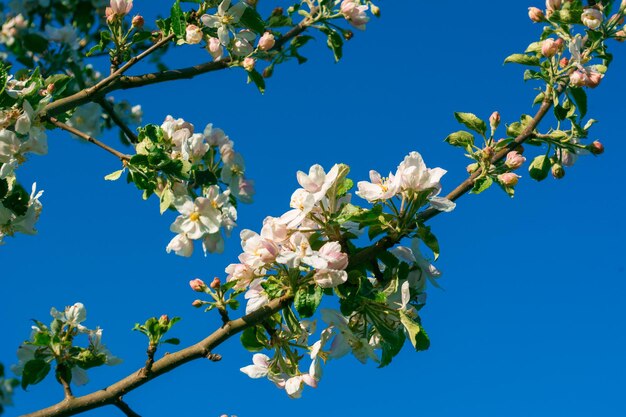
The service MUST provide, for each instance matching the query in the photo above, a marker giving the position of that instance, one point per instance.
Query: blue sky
(530, 321)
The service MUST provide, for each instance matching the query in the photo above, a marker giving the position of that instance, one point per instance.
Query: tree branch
(111, 394)
(61, 125)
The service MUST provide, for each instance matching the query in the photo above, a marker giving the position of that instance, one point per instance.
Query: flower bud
(109, 14)
(278, 11)
(509, 179)
(138, 21)
(559, 42)
(193, 35)
(348, 34)
(592, 18)
(471, 168)
(267, 41)
(596, 148)
(557, 171)
(514, 160)
(564, 62)
(268, 71)
(375, 10)
(549, 48)
(248, 64)
(620, 36)
(164, 319)
(197, 303)
(494, 121)
(593, 79)
(578, 79)
(50, 88)
(215, 284)
(536, 15)
(488, 152)
(197, 285)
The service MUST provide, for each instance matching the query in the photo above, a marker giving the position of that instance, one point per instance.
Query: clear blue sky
(531, 321)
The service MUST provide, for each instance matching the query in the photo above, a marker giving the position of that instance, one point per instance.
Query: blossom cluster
(206, 208)
(55, 343)
(306, 251)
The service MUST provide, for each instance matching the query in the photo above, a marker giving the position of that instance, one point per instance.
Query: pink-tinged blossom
(553, 5)
(181, 245)
(416, 177)
(578, 79)
(426, 270)
(354, 13)
(267, 41)
(514, 160)
(329, 256)
(259, 368)
(242, 44)
(379, 188)
(242, 189)
(257, 251)
(594, 78)
(295, 251)
(241, 273)
(318, 182)
(509, 179)
(249, 63)
(345, 340)
(302, 203)
(256, 296)
(215, 48)
(274, 230)
(198, 218)
(193, 35)
(330, 278)
(549, 48)
(592, 18)
(121, 7)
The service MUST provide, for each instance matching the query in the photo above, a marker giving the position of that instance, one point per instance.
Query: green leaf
(471, 121)
(34, 372)
(522, 59)
(35, 43)
(4, 187)
(252, 339)
(178, 20)
(482, 184)
(540, 168)
(114, 176)
(257, 79)
(252, 20)
(41, 339)
(307, 299)
(335, 43)
(461, 139)
(165, 200)
(17, 200)
(429, 239)
(172, 341)
(417, 335)
(580, 97)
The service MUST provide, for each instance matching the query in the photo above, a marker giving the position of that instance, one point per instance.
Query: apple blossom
(379, 188)
(198, 218)
(181, 245)
(416, 177)
(249, 63)
(138, 22)
(226, 16)
(592, 18)
(197, 285)
(256, 296)
(553, 5)
(354, 13)
(509, 179)
(549, 48)
(121, 7)
(593, 79)
(578, 79)
(259, 368)
(213, 243)
(330, 278)
(72, 315)
(215, 48)
(267, 41)
(242, 43)
(514, 160)
(193, 34)
(241, 273)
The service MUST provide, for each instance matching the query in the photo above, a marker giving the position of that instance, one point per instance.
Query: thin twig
(61, 125)
(110, 110)
(125, 408)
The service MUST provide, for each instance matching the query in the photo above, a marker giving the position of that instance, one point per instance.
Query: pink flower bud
(164, 319)
(193, 35)
(553, 5)
(549, 48)
(578, 79)
(509, 179)
(514, 160)
(267, 41)
(494, 120)
(197, 303)
(593, 79)
(215, 284)
(536, 15)
(197, 285)
(596, 148)
(248, 64)
(557, 171)
(138, 22)
(109, 14)
(620, 36)
(564, 62)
